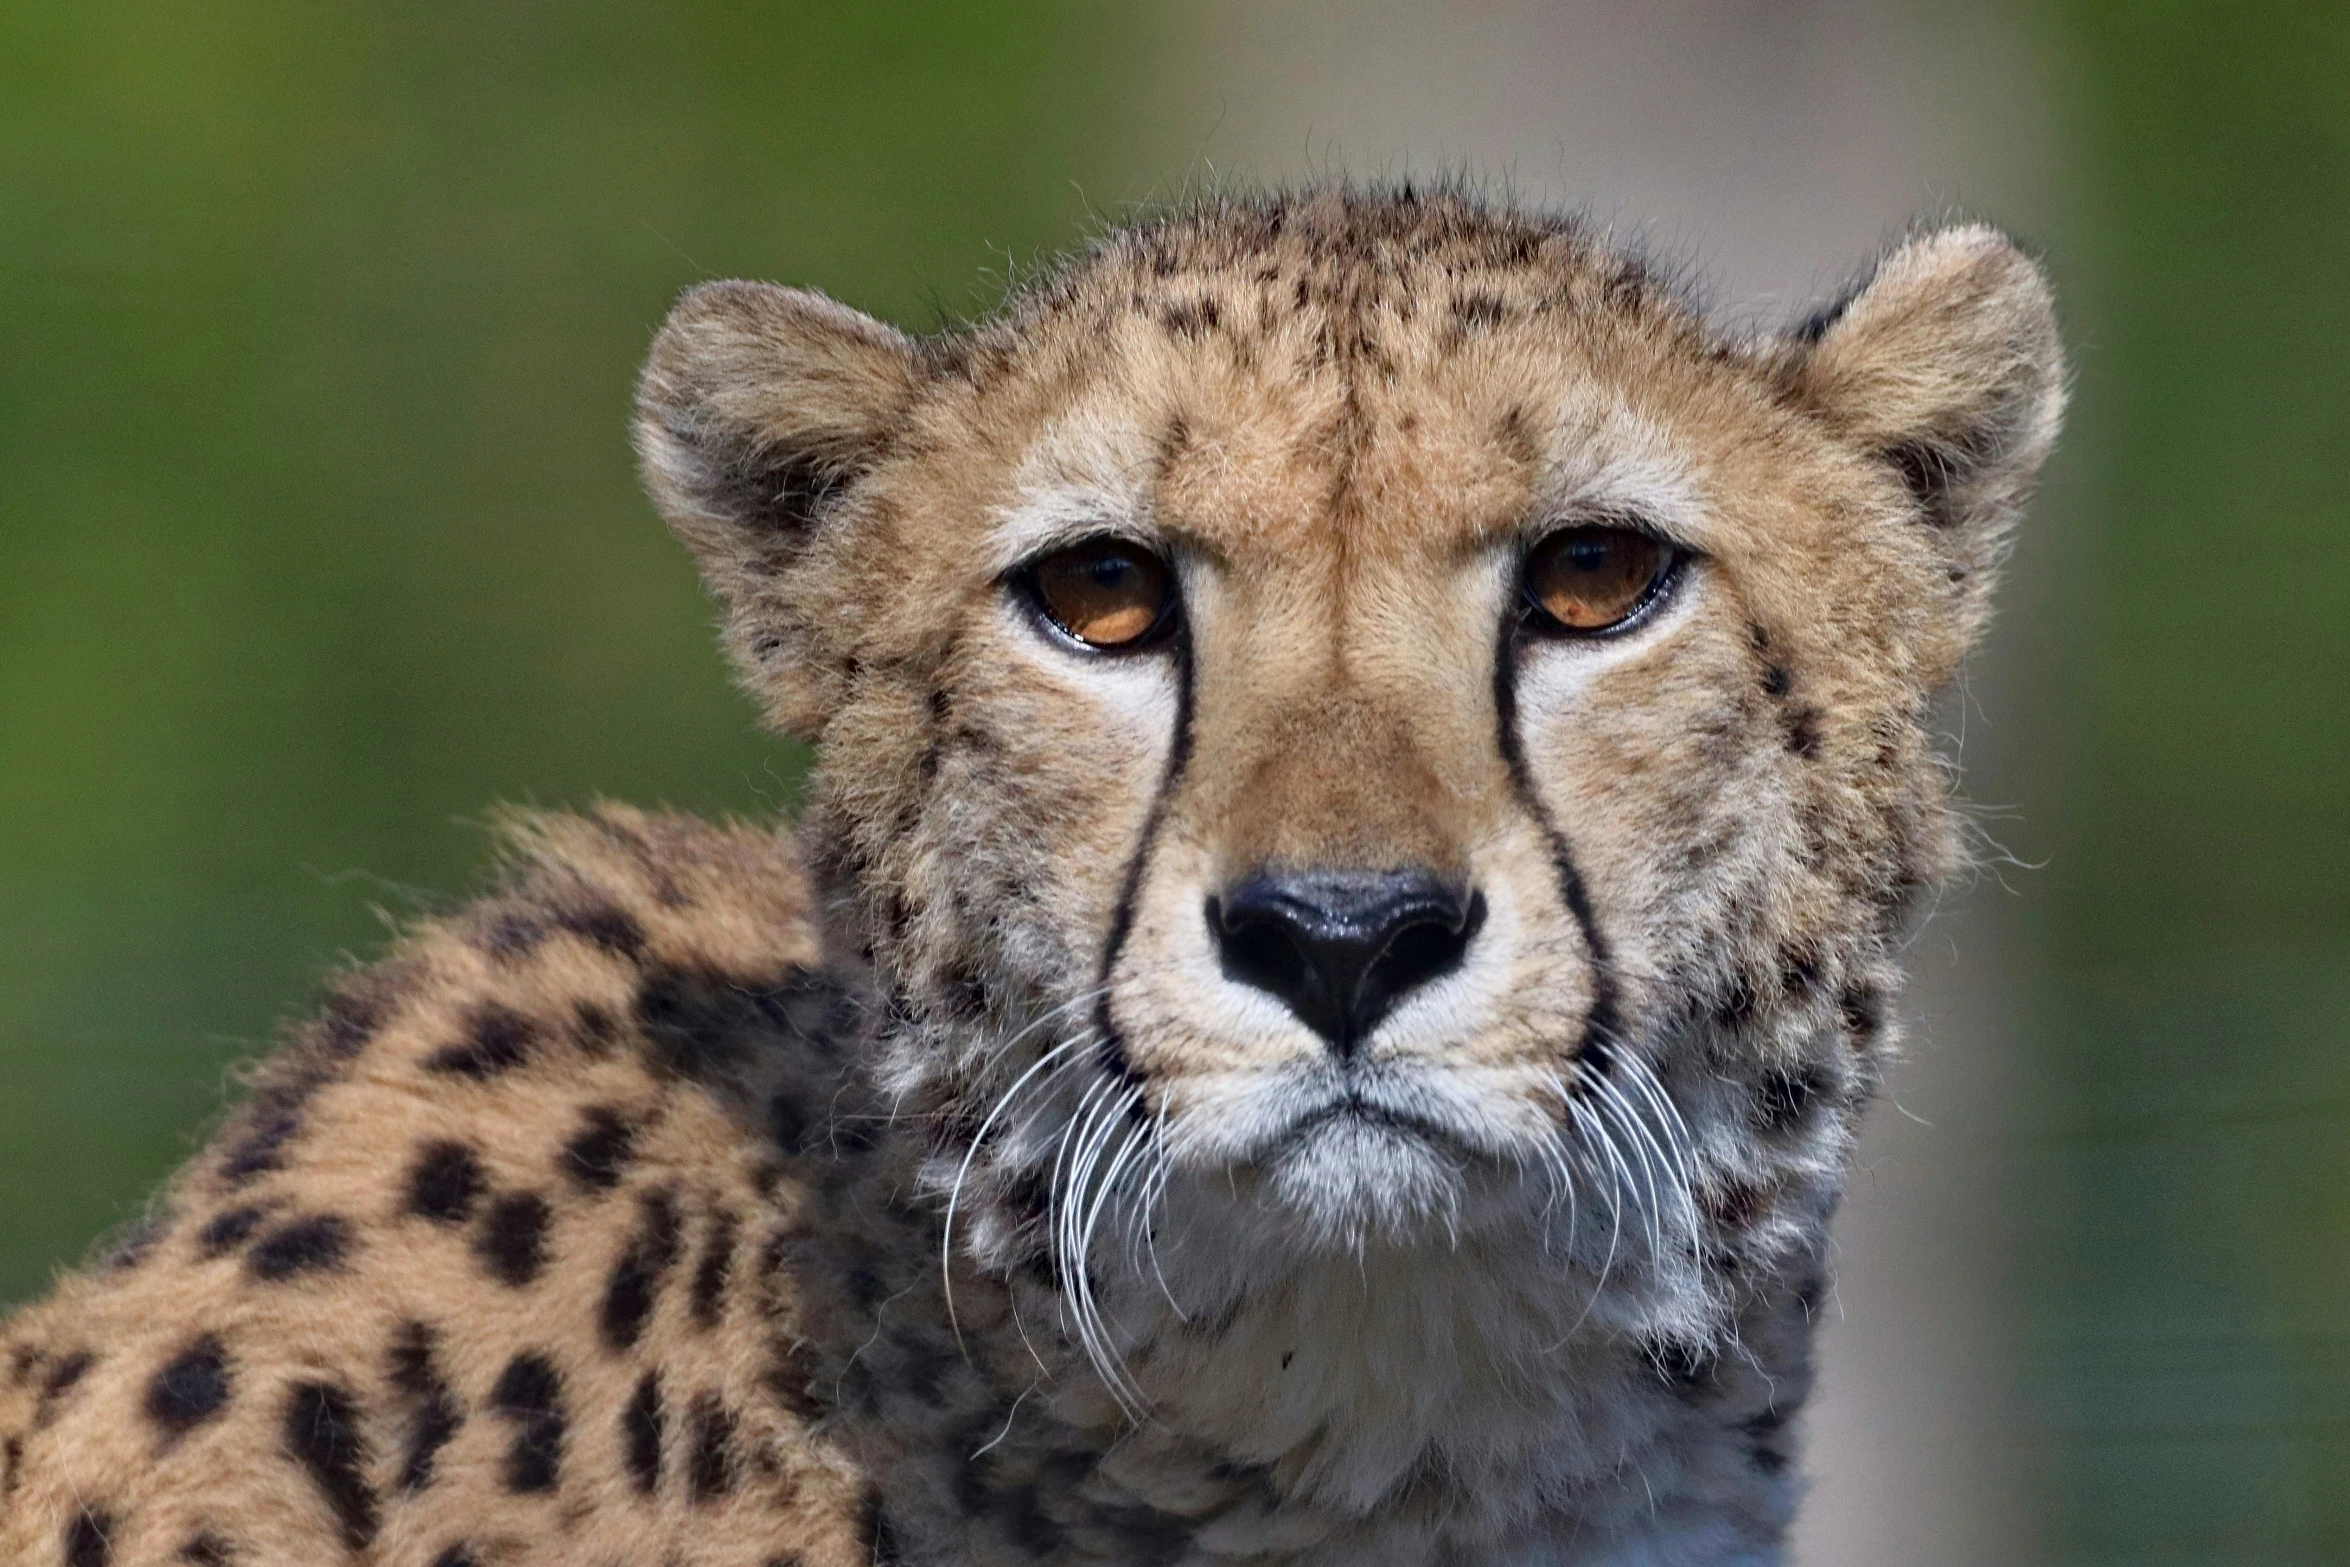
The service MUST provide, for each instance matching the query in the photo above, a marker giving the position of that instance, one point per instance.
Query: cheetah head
(1367, 722)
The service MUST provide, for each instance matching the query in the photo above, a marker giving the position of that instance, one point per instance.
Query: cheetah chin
(1372, 771)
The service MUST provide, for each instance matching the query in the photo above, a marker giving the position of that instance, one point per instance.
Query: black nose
(1342, 947)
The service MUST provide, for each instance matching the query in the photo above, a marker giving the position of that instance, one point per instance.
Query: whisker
(962, 1173)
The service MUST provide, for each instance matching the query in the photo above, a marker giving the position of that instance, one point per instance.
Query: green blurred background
(318, 535)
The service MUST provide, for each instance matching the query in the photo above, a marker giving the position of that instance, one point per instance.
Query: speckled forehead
(1249, 438)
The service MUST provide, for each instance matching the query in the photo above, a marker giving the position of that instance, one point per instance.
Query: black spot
(635, 1284)
(512, 1241)
(605, 925)
(62, 1379)
(1478, 310)
(322, 1435)
(270, 1123)
(1736, 1206)
(641, 1430)
(225, 1232)
(1776, 681)
(458, 1555)
(787, 1121)
(593, 1026)
(433, 1415)
(531, 1395)
(1172, 441)
(1783, 1096)
(510, 936)
(697, 1021)
(444, 1183)
(1150, 1538)
(857, 1134)
(1799, 970)
(1680, 1363)
(881, 1541)
(865, 1287)
(599, 1150)
(710, 1464)
(208, 1550)
(316, 1244)
(793, 1382)
(349, 1019)
(1192, 320)
(496, 1040)
(1287, 1356)
(1020, 1512)
(1762, 1433)
(1736, 1008)
(963, 992)
(710, 1275)
(192, 1387)
(11, 1461)
(1862, 1008)
(1803, 732)
(89, 1538)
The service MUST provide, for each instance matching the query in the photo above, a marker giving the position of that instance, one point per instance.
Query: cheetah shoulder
(482, 1242)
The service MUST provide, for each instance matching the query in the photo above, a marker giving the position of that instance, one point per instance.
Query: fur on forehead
(838, 481)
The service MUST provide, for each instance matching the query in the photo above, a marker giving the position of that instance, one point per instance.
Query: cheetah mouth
(1358, 1112)
(1371, 1158)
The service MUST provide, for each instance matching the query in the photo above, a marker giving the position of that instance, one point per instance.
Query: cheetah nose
(1340, 948)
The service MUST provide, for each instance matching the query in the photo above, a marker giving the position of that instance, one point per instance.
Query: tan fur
(1529, 1278)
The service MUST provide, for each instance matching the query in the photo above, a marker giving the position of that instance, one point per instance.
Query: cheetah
(1373, 769)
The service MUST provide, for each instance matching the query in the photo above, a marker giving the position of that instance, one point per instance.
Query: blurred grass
(317, 328)
(2191, 1179)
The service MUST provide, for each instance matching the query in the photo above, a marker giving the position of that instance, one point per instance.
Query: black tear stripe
(1601, 1022)
(1112, 1052)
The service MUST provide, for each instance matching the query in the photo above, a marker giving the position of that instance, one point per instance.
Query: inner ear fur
(758, 410)
(1945, 364)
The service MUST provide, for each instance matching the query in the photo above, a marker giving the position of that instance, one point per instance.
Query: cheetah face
(1378, 719)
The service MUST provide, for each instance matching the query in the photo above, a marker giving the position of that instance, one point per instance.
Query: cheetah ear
(1946, 364)
(756, 404)
(758, 410)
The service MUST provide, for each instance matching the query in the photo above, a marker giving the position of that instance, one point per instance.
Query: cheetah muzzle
(1373, 766)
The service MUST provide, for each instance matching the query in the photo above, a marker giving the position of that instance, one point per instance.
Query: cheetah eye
(1595, 577)
(1109, 594)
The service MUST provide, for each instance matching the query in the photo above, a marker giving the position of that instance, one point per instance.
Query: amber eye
(1594, 577)
(1107, 593)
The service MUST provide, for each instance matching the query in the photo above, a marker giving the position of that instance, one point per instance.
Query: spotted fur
(945, 1200)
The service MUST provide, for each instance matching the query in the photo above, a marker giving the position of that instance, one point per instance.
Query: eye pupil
(1105, 593)
(1594, 577)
